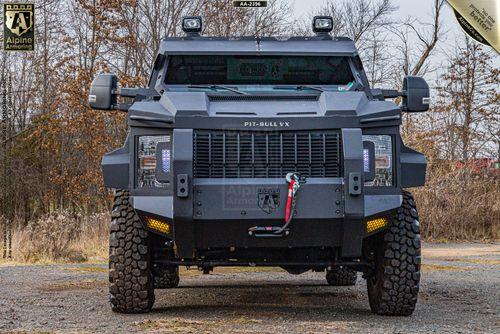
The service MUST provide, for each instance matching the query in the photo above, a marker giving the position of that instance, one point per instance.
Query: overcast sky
(421, 9)
(406, 7)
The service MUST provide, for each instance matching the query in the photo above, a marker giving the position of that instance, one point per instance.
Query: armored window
(258, 70)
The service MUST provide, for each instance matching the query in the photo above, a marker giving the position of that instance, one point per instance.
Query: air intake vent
(244, 154)
(229, 98)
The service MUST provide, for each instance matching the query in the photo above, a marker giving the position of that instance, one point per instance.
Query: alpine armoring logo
(19, 31)
(269, 200)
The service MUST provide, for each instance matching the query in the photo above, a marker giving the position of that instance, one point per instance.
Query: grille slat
(249, 154)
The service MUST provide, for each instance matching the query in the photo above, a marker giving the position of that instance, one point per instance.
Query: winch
(294, 181)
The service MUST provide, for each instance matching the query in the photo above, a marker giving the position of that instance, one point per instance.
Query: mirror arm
(382, 94)
(131, 92)
(127, 92)
(122, 106)
(392, 93)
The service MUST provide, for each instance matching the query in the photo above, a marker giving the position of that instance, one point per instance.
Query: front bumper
(215, 213)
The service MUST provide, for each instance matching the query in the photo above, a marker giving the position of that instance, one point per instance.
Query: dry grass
(62, 237)
(488, 262)
(177, 325)
(73, 285)
(442, 252)
(459, 206)
(88, 269)
(427, 267)
(15, 331)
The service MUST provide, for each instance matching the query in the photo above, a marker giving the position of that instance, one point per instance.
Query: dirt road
(460, 294)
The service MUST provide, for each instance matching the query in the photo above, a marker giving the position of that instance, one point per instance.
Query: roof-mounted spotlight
(191, 25)
(322, 24)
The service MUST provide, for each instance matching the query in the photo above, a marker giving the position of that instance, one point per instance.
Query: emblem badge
(19, 31)
(269, 200)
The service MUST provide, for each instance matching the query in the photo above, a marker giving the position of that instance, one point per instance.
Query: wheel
(393, 287)
(341, 276)
(166, 277)
(130, 275)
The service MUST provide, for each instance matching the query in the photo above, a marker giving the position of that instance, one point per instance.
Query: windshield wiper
(353, 86)
(300, 87)
(234, 90)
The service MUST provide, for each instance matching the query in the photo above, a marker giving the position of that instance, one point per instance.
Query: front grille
(249, 154)
(233, 97)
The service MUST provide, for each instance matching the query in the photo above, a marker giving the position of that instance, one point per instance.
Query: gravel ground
(459, 294)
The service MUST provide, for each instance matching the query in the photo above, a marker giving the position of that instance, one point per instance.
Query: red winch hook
(293, 180)
(293, 187)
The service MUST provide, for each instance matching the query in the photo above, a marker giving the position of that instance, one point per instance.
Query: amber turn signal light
(376, 224)
(158, 225)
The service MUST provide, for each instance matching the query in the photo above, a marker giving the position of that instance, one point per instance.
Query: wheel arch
(116, 166)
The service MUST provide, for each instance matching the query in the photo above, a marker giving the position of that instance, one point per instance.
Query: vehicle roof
(316, 45)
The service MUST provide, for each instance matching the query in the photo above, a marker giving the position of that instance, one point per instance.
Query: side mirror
(416, 97)
(102, 93)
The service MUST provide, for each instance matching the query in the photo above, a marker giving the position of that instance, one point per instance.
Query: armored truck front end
(263, 152)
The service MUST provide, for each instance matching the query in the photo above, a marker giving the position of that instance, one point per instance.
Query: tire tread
(341, 276)
(130, 277)
(399, 278)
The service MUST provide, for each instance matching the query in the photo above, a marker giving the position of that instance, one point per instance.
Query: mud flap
(352, 238)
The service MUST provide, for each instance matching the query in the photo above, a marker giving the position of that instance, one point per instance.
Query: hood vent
(231, 98)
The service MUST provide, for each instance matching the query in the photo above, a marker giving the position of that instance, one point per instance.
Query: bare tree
(416, 40)
(223, 19)
(377, 58)
(468, 104)
(365, 22)
(356, 18)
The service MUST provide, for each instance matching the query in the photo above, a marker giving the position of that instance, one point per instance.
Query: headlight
(154, 161)
(383, 160)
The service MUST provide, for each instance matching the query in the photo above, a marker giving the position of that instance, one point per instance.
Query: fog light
(158, 225)
(376, 224)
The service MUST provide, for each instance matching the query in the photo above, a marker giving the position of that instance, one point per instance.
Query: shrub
(62, 236)
(459, 205)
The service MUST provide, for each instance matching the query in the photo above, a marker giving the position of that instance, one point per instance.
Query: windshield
(258, 70)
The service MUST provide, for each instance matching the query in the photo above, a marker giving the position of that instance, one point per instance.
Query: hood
(174, 105)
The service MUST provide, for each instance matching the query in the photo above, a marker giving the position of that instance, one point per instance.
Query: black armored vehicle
(263, 152)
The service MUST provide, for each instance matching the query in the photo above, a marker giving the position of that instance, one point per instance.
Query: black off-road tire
(341, 276)
(166, 277)
(130, 272)
(393, 288)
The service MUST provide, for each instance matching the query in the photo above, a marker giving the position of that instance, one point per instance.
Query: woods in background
(52, 143)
